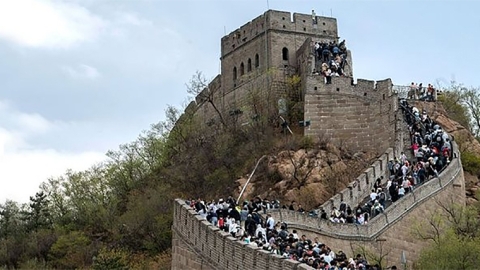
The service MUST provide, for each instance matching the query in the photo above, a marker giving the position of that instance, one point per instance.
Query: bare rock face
(302, 175)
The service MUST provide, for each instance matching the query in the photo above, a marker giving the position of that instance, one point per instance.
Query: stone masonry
(258, 58)
(197, 244)
(256, 61)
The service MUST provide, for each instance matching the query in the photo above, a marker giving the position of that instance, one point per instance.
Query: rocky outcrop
(308, 177)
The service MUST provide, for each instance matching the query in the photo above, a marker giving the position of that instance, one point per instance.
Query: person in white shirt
(233, 228)
(389, 184)
(405, 170)
(261, 230)
(295, 235)
(270, 222)
(373, 195)
(403, 157)
(361, 219)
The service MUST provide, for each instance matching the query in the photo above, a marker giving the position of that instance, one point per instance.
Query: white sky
(78, 78)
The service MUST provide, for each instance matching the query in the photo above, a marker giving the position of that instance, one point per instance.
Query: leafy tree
(111, 259)
(451, 252)
(451, 102)
(470, 98)
(462, 105)
(39, 245)
(456, 233)
(71, 251)
(57, 202)
(146, 225)
(38, 215)
(12, 234)
(88, 193)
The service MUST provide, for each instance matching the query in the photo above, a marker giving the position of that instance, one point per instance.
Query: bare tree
(429, 228)
(199, 87)
(302, 168)
(464, 220)
(375, 253)
(471, 99)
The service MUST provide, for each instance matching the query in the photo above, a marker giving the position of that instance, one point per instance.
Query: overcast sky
(78, 78)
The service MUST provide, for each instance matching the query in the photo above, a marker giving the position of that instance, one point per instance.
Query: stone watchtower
(258, 59)
(270, 41)
(259, 56)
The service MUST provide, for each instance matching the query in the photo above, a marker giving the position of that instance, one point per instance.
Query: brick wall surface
(360, 116)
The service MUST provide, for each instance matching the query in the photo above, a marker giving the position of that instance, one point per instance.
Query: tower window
(249, 65)
(285, 54)
(234, 73)
(242, 69)
(257, 61)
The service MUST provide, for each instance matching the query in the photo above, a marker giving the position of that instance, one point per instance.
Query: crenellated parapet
(197, 244)
(359, 115)
(324, 28)
(367, 89)
(394, 225)
(361, 186)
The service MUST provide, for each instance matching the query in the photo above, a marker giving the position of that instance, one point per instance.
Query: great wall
(262, 54)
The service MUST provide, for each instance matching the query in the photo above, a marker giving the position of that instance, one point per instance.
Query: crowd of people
(431, 151)
(421, 93)
(243, 222)
(333, 58)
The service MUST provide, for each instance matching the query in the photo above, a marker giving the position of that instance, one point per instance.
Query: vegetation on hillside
(462, 105)
(455, 236)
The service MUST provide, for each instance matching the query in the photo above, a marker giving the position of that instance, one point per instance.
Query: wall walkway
(199, 245)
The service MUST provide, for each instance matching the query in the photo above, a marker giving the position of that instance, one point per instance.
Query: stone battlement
(360, 115)
(394, 225)
(346, 85)
(451, 175)
(197, 244)
(279, 21)
(361, 187)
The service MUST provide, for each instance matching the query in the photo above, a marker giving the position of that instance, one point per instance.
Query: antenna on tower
(268, 6)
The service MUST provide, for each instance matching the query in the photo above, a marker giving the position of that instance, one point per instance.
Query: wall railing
(381, 222)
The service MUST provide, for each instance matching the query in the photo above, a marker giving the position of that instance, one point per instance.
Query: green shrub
(471, 163)
(71, 251)
(111, 259)
(307, 142)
